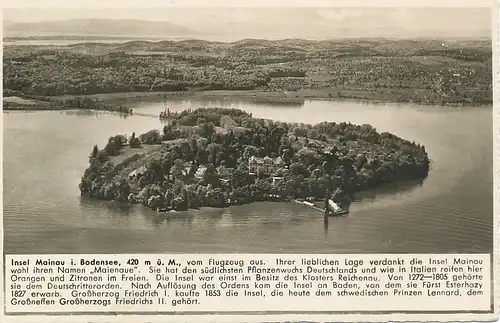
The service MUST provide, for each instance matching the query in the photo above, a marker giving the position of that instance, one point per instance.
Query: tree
(261, 172)
(123, 191)
(206, 129)
(155, 172)
(297, 169)
(155, 202)
(169, 196)
(134, 142)
(287, 156)
(317, 173)
(213, 150)
(115, 144)
(186, 149)
(168, 132)
(307, 156)
(166, 162)
(102, 156)
(360, 161)
(151, 137)
(93, 154)
(250, 151)
(202, 157)
(194, 148)
(211, 177)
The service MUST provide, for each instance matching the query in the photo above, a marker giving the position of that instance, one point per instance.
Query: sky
(306, 21)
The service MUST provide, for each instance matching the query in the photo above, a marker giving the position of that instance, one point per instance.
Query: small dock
(336, 212)
(309, 205)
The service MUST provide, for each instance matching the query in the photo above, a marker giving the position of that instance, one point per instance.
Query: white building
(200, 172)
(268, 165)
(136, 172)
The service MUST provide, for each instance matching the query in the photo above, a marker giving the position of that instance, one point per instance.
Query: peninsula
(219, 157)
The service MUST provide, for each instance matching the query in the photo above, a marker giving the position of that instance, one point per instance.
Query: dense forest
(391, 70)
(220, 157)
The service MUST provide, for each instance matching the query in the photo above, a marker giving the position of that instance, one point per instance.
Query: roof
(278, 160)
(138, 170)
(254, 159)
(266, 160)
(200, 171)
(227, 121)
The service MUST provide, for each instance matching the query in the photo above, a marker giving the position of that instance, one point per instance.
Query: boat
(335, 210)
(338, 213)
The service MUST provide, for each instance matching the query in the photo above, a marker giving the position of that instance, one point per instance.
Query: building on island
(277, 180)
(200, 172)
(227, 122)
(267, 165)
(139, 171)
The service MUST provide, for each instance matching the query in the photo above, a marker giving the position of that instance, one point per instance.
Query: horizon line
(159, 39)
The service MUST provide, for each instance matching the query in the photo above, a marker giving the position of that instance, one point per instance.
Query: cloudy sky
(291, 21)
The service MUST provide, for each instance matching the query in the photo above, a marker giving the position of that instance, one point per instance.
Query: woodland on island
(219, 157)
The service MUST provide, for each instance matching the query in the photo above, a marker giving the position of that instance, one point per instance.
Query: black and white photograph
(216, 130)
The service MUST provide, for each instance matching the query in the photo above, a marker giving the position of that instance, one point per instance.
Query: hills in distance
(95, 27)
(272, 23)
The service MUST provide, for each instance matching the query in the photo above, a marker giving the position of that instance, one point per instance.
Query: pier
(338, 212)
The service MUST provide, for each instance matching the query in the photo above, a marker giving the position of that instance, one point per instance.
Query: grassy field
(129, 152)
(19, 101)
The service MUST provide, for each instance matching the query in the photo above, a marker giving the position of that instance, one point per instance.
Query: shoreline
(262, 95)
(285, 200)
(359, 196)
(284, 97)
(278, 200)
(291, 71)
(354, 196)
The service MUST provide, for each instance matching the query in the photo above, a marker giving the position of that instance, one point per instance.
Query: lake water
(230, 37)
(65, 42)
(45, 154)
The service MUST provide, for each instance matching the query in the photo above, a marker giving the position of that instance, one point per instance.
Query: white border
(244, 3)
(495, 5)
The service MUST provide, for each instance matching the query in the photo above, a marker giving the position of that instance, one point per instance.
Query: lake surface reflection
(45, 154)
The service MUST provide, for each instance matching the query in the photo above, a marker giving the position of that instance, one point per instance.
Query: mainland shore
(107, 76)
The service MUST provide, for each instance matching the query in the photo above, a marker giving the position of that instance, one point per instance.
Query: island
(213, 157)
(107, 75)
